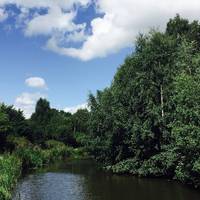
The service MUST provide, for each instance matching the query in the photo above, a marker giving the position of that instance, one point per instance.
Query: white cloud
(121, 22)
(54, 20)
(36, 82)
(74, 109)
(27, 101)
(3, 15)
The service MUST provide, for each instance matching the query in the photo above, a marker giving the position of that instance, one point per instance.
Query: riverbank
(31, 157)
(159, 166)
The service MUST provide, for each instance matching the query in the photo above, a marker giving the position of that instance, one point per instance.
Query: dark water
(81, 180)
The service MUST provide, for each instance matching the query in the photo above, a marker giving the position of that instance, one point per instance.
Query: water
(82, 180)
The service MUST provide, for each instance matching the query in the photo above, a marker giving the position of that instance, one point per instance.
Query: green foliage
(162, 164)
(4, 122)
(55, 150)
(151, 111)
(179, 27)
(196, 166)
(80, 121)
(42, 111)
(17, 142)
(82, 139)
(50, 124)
(126, 167)
(78, 153)
(10, 170)
(12, 123)
(31, 157)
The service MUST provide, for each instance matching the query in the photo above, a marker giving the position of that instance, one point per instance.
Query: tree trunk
(161, 100)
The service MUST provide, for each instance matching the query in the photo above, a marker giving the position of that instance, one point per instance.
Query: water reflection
(81, 180)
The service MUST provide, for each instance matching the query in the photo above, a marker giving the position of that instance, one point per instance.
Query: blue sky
(69, 80)
(64, 49)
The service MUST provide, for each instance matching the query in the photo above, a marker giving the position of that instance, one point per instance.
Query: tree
(150, 113)
(80, 121)
(12, 122)
(42, 112)
(4, 127)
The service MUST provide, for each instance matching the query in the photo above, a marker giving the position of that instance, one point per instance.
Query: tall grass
(10, 170)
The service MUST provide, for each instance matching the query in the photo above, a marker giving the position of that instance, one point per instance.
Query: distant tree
(4, 128)
(12, 122)
(80, 121)
(42, 112)
(39, 120)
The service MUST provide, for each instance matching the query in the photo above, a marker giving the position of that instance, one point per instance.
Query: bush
(17, 142)
(162, 164)
(31, 157)
(188, 171)
(78, 152)
(56, 150)
(35, 157)
(54, 144)
(125, 167)
(81, 139)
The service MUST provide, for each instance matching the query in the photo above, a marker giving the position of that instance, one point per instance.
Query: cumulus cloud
(51, 22)
(74, 109)
(27, 101)
(118, 27)
(121, 23)
(48, 17)
(36, 82)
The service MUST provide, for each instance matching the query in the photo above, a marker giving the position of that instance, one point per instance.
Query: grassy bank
(27, 156)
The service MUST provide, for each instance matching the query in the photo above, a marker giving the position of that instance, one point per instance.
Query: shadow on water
(82, 180)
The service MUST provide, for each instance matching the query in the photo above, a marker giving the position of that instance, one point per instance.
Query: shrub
(31, 157)
(81, 139)
(77, 152)
(17, 142)
(162, 164)
(126, 166)
(54, 144)
(56, 150)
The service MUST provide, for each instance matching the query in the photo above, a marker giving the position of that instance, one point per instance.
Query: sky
(64, 49)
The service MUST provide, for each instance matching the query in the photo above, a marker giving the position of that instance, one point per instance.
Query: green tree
(42, 112)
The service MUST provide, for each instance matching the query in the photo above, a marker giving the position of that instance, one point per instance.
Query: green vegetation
(147, 123)
(10, 170)
(44, 125)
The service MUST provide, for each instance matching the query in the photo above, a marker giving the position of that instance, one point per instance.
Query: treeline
(147, 122)
(45, 124)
